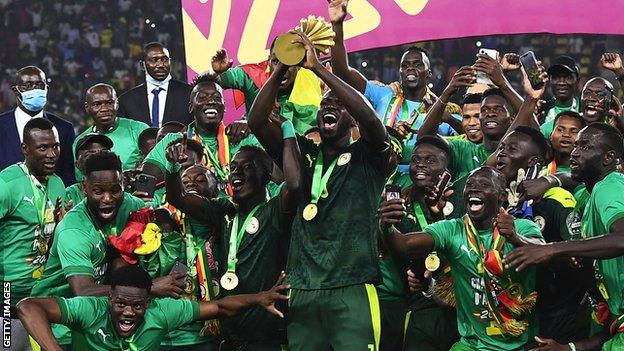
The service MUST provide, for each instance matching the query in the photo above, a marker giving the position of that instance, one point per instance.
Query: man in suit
(30, 89)
(160, 99)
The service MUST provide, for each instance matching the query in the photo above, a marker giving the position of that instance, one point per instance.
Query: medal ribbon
(128, 345)
(320, 179)
(552, 167)
(236, 236)
(392, 111)
(40, 202)
(420, 215)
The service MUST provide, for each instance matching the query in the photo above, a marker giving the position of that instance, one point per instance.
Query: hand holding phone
(145, 183)
(393, 191)
(529, 63)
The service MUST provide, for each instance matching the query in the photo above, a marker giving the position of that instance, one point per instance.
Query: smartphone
(445, 178)
(145, 183)
(179, 267)
(529, 62)
(393, 191)
(482, 78)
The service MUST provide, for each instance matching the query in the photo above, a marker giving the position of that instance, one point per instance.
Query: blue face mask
(34, 100)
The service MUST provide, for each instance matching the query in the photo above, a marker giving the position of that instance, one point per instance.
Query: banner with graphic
(246, 27)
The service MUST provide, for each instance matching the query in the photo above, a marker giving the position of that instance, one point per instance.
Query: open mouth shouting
(107, 212)
(475, 204)
(237, 183)
(126, 326)
(411, 78)
(490, 124)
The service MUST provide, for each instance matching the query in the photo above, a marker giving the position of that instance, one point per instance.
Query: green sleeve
(442, 233)
(527, 228)
(79, 312)
(157, 156)
(457, 153)
(74, 250)
(608, 199)
(236, 78)
(5, 199)
(176, 313)
(547, 129)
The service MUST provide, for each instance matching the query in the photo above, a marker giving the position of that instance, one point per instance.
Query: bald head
(101, 105)
(100, 88)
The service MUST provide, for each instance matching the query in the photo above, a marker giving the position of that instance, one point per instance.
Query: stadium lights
(478, 44)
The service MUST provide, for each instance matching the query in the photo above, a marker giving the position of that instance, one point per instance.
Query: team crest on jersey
(573, 222)
(540, 221)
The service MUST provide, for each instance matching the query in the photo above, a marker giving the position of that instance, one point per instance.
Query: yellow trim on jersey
(562, 196)
(373, 302)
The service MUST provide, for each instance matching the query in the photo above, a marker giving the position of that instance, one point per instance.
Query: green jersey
(158, 154)
(338, 247)
(466, 156)
(79, 247)
(125, 137)
(74, 193)
(549, 121)
(26, 226)
(604, 207)
(302, 116)
(186, 249)
(92, 329)
(476, 326)
(260, 257)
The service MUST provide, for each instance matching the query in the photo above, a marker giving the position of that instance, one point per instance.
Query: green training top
(474, 322)
(92, 329)
(605, 207)
(339, 246)
(125, 137)
(261, 256)
(74, 193)
(21, 262)
(303, 117)
(466, 156)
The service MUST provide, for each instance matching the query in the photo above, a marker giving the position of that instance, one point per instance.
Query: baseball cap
(565, 63)
(93, 138)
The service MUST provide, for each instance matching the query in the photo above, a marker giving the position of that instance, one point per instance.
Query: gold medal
(42, 245)
(189, 285)
(309, 212)
(229, 281)
(49, 216)
(253, 226)
(193, 271)
(432, 262)
(343, 159)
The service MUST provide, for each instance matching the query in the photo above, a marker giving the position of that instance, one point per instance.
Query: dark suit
(133, 103)
(11, 151)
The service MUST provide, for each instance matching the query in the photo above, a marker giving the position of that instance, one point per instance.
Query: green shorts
(566, 327)
(340, 319)
(430, 329)
(392, 316)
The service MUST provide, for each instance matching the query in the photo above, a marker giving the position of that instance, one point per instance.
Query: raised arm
(402, 246)
(220, 63)
(269, 134)
(339, 59)
(464, 77)
(291, 162)
(602, 247)
(613, 62)
(232, 305)
(372, 130)
(494, 70)
(190, 204)
(37, 314)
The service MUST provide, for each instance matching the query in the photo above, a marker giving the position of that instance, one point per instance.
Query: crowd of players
(340, 214)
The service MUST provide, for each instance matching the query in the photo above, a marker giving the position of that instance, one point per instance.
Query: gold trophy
(316, 29)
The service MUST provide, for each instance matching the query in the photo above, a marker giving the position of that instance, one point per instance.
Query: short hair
(610, 136)
(437, 141)
(206, 77)
(131, 276)
(472, 98)
(147, 134)
(21, 70)
(261, 157)
(175, 124)
(98, 85)
(418, 49)
(497, 92)
(36, 123)
(104, 160)
(570, 113)
(498, 178)
(151, 45)
(536, 137)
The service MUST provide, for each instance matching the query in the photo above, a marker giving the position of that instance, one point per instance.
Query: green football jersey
(89, 320)
(74, 193)
(466, 156)
(24, 239)
(338, 247)
(476, 326)
(604, 207)
(125, 137)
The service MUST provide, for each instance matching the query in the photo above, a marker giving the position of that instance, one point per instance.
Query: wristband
(572, 346)
(553, 180)
(288, 130)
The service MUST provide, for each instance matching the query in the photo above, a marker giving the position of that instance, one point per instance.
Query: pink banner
(246, 27)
